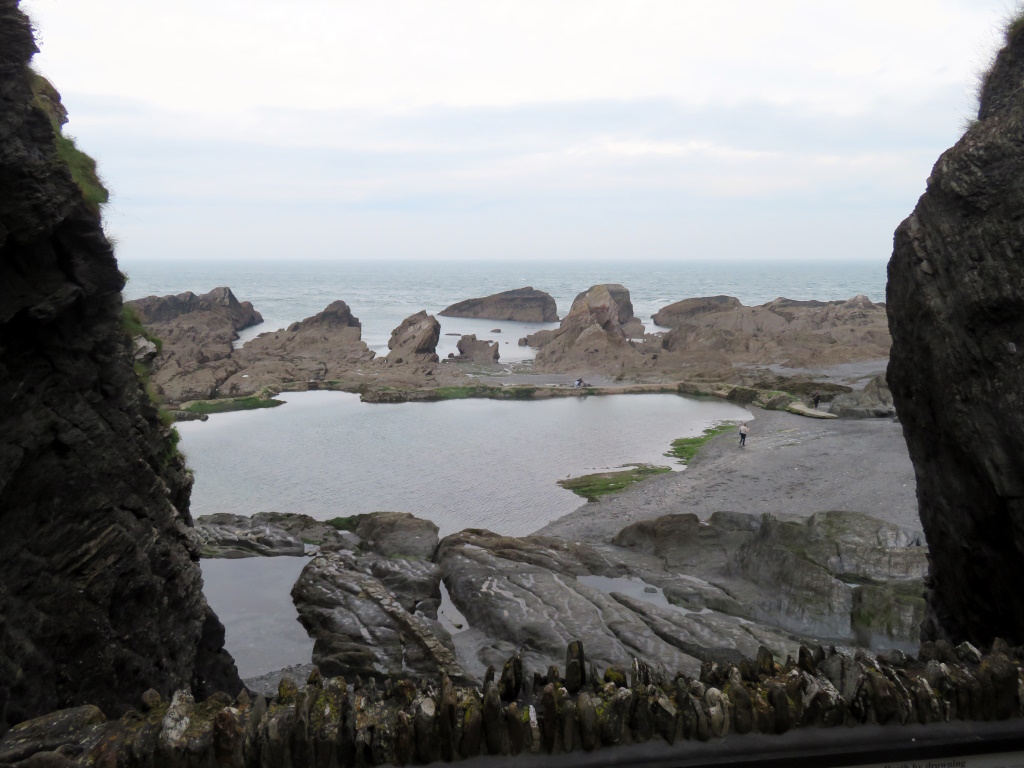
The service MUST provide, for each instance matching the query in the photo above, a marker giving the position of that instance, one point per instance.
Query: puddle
(636, 588)
(451, 618)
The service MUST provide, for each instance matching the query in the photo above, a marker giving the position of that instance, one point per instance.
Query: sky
(515, 130)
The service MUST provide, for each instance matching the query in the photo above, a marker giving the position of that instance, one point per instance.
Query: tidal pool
(460, 463)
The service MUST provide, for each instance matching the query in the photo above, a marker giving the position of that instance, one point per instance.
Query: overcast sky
(473, 129)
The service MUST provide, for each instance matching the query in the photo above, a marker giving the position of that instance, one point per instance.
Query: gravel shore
(791, 467)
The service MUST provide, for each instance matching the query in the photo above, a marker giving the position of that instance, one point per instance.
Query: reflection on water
(252, 598)
(463, 464)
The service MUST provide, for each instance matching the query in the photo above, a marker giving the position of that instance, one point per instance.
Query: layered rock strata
(100, 592)
(524, 305)
(956, 310)
(671, 590)
(334, 721)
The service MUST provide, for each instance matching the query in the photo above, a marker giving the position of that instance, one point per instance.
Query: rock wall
(100, 592)
(333, 721)
(956, 312)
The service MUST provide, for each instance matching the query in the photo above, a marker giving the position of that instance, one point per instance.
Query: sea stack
(524, 305)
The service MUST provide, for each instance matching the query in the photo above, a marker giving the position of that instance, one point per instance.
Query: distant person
(744, 429)
(578, 384)
(817, 399)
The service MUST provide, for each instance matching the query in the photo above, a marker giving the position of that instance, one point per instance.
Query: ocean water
(381, 294)
(460, 463)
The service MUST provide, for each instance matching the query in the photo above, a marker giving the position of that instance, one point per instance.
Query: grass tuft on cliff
(592, 487)
(81, 166)
(685, 448)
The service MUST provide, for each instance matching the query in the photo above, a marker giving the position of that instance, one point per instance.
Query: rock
(525, 305)
(145, 350)
(590, 336)
(225, 535)
(688, 309)
(575, 666)
(324, 347)
(415, 340)
(373, 612)
(955, 300)
(100, 593)
(48, 732)
(718, 330)
(874, 401)
(477, 351)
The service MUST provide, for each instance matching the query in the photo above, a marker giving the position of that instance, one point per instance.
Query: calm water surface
(462, 463)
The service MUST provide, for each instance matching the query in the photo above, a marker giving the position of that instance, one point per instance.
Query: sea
(383, 293)
(463, 463)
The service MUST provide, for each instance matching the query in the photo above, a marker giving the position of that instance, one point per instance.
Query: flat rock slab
(802, 410)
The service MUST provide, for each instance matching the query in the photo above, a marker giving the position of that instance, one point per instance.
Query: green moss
(482, 391)
(592, 487)
(232, 404)
(685, 448)
(133, 326)
(345, 523)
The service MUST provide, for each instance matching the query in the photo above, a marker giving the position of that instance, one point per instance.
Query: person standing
(744, 429)
(817, 399)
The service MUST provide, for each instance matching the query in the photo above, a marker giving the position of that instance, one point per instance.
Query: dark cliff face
(956, 313)
(100, 589)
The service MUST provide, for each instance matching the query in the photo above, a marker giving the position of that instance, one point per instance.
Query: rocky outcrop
(524, 305)
(536, 713)
(196, 334)
(795, 334)
(415, 340)
(956, 310)
(100, 591)
(265, 534)
(477, 351)
(324, 347)
(371, 607)
(591, 336)
(872, 402)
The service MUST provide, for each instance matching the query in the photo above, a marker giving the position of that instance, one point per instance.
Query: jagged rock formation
(956, 310)
(525, 305)
(197, 360)
(591, 336)
(718, 330)
(100, 592)
(196, 334)
(477, 351)
(874, 401)
(330, 722)
(415, 340)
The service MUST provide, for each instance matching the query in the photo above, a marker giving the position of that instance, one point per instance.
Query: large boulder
(686, 310)
(477, 350)
(415, 340)
(956, 310)
(100, 589)
(874, 401)
(526, 305)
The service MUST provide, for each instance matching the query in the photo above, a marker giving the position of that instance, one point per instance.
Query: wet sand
(791, 467)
